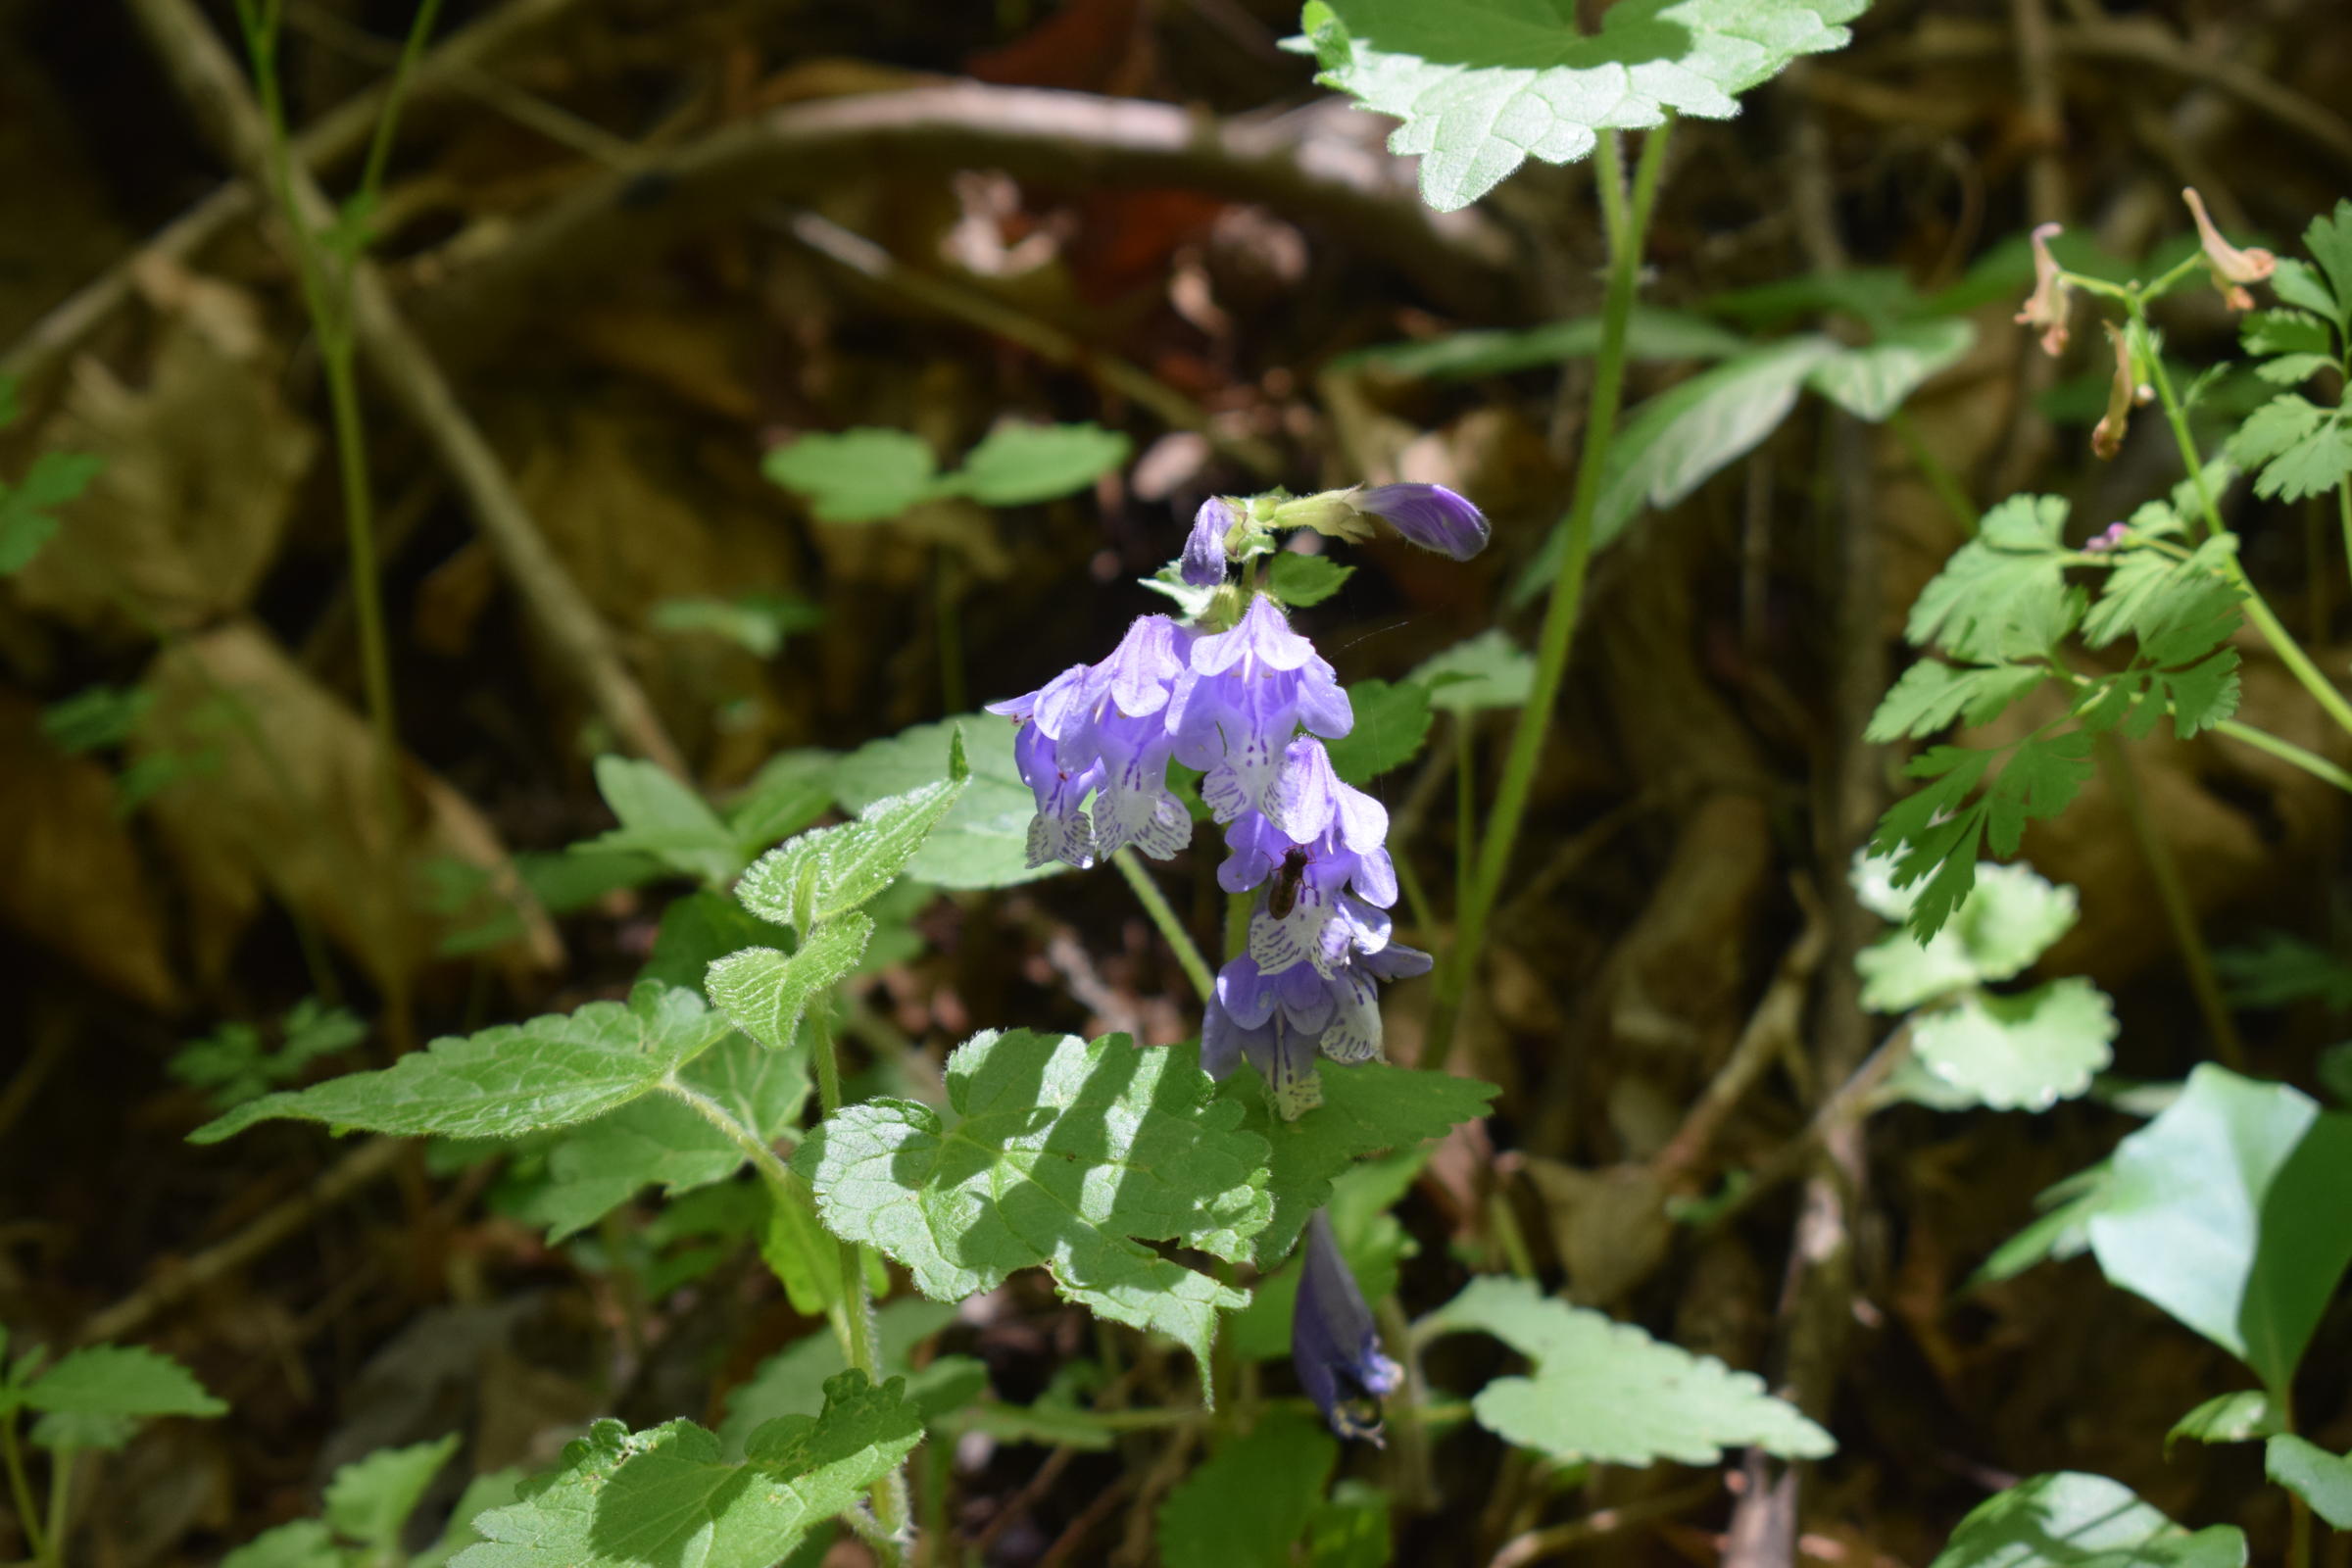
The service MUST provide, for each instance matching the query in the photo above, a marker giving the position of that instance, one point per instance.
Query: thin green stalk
(2283, 642)
(2196, 956)
(379, 146)
(1465, 809)
(1627, 220)
(61, 1499)
(326, 298)
(20, 1487)
(2343, 507)
(2285, 751)
(1163, 917)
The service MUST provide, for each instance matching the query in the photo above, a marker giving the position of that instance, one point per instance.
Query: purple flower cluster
(1249, 706)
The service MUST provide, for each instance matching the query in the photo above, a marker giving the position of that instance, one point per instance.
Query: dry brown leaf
(201, 468)
(288, 804)
(74, 880)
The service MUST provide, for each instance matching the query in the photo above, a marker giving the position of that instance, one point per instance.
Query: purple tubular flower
(1428, 514)
(1334, 1347)
(1251, 1017)
(1102, 729)
(1203, 562)
(1246, 693)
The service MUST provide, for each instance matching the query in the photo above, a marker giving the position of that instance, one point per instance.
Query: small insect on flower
(1283, 894)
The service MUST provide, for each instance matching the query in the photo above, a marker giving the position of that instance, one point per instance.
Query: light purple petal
(1204, 564)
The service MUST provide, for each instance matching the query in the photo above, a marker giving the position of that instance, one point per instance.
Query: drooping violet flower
(1334, 1348)
(1324, 838)
(1203, 561)
(1102, 727)
(2107, 436)
(1428, 514)
(1244, 696)
(2052, 300)
(2230, 265)
(1279, 1020)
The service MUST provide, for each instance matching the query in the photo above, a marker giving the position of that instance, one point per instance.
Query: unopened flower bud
(2230, 266)
(1430, 516)
(2107, 436)
(2109, 538)
(2048, 306)
(1205, 547)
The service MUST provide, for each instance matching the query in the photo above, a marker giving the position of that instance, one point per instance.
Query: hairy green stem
(1163, 918)
(1626, 217)
(865, 1352)
(2173, 894)
(20, 1487)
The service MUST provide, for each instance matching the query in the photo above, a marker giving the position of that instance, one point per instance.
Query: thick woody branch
(1056, 138)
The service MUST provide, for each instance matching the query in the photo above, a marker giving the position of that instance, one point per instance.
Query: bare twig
(205, 73)
(362, 1169)
(1553, 1539)
(340, 134)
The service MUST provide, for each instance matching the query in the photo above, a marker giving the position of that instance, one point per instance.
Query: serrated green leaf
(758, 623)
(2072, 1520)
(662, 818)
(2243, 1416)
(95, 1398)
(2301, 448)
(2022, 1052)
(369, 1500)
(2294, 369)
(1484, 84)
(698, 928)
(983, 840)
(1931, 696)
(1017, 465)
(297, 1543)
(792, 1382)
(1873, 381)
(2302, 286)
(1298, 580)
(766, 992)
(2269, 333)
(27, 510)
(829, 871)
(2004, 595)
(861, 476)
(2009, 919)
(661, 1140)
(1392, 721)
(2202, 695)
(1608, 1393)
(493, 1489)
(1252, 1499)
(2224, 1211)
(667, 1497)
(1650, 333)
(503, 1082)
(2153, 597)
(2276, 970)
(1351, 1529)
(1485, 672)
(2320, 1477)
(1365, 1109)
(1059, 1153)
(2329, 238)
